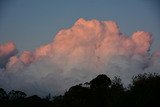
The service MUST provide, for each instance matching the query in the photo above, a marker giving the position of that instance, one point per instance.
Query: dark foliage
(99, 92)
(144, 91)
(101, 81)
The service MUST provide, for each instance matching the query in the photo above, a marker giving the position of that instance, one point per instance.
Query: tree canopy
(99, 92)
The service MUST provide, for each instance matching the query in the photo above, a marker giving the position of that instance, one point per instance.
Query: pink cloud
(79, 53)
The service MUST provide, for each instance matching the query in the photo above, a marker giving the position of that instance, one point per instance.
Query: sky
(31, 23)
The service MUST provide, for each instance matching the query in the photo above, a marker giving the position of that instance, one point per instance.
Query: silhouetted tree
(14, 95)
(117, 92)
(101, 81)
(99, 92)
(37, 101)
(3, 94)
(48, 97)
(77, 96)
(144, 91)
(58, 101)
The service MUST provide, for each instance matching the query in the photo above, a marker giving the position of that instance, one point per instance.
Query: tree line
(144, 91)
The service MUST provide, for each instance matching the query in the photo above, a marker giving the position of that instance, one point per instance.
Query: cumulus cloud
(77, 55)
(7, 50)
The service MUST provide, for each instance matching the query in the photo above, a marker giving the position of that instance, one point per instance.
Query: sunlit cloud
(77, 54)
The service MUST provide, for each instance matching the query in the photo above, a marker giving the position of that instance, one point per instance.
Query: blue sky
(32, 23)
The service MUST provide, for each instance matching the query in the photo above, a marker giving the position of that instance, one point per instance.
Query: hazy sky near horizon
(32, 23)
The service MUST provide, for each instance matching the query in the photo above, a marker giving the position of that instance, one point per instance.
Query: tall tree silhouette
(144, 91)
(100, 91)
(117, 92)
(101, 81)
